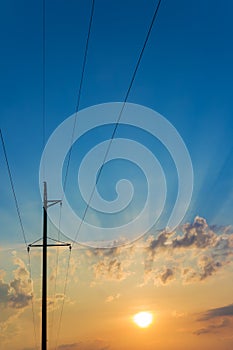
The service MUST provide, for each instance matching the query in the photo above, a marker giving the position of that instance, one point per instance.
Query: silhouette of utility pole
(46, 204)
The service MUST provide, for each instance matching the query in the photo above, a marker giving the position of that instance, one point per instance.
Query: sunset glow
(143, 319)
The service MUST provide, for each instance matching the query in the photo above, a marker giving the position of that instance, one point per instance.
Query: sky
(182, 276)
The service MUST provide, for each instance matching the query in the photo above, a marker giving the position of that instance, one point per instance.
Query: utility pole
(44, 274)
(46, 204)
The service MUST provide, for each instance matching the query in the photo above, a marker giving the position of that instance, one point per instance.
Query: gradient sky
(186, 73)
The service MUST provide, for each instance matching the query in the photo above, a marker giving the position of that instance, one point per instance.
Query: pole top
(45, 194)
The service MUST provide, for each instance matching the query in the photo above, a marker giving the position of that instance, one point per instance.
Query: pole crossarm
(52, 202)
(50, 245)
(57, 244)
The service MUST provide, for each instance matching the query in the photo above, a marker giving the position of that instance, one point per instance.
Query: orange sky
(107, 287)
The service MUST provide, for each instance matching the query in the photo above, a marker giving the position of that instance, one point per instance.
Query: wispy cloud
(97, 344)
(217, 312)
(213, 328)
(217, 319)
(111, 298)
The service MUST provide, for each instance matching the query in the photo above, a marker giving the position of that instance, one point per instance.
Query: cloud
(97, 344)
(208, 267)
(220, 317)
(59, 268)
(53, 302)
(177, 314)
(167, 275)
(196, 234)
(217, 312)
(160, 242)
(111, 264)
(110, 269)
(192, 253)
(213, 328)
(17, 293)
(69, 346)
(4, 292)
(10, 327)
(111, 298)
(193, 235)
(100, 252)
(161, 276)
(15, 297)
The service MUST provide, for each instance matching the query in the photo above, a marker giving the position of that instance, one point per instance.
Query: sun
(143, 319)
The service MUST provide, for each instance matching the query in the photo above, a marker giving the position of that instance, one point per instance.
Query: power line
(32, 302)
(112, 136)
(80, 90)
(56, 272)
(70, 153)
(64, 297)
(13, 189)
(120, 115)
(22, 229)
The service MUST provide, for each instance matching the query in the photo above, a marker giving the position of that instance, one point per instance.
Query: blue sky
(185, 74)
